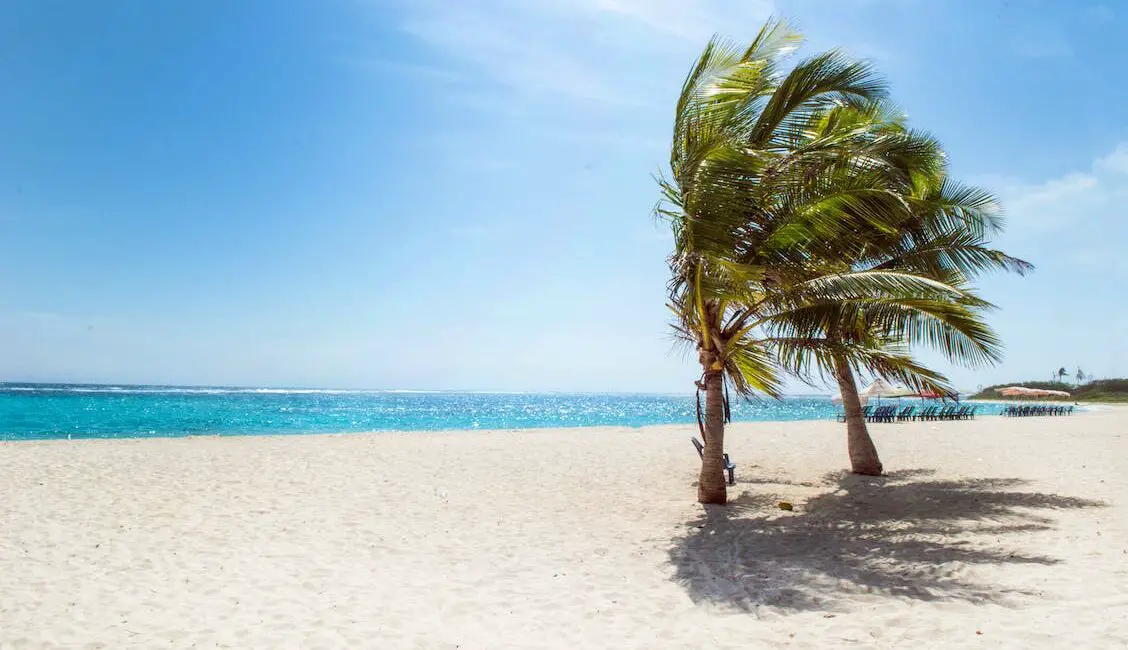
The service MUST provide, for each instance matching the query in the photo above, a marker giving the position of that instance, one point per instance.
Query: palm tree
(898, 282)
(733, 159)
(870, 326)
(772, 175)
(896, 278)
(1079, 376)
(1062, 373)
(944, 240)
(800, 211)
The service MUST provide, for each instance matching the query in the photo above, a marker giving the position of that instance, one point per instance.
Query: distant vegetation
(1100, 390)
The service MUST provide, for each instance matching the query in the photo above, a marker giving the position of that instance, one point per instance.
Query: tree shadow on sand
(899, 535)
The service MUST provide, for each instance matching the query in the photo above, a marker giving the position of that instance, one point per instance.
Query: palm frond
(820, 82)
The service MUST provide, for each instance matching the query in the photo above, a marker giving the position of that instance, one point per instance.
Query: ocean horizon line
(28, 386)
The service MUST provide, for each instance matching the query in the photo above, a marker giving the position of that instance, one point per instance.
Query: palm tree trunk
(863, 453)
(711, 487)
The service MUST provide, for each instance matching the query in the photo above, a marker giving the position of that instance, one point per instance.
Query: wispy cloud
(596, 76)
(584, 51)
(1076, 218)
(1052, 204)
(505, 48)
(687, 19)
(1115, 162)
(1098, 257)
(1073, 199)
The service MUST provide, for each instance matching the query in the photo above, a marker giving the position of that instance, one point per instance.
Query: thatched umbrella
(1016, 391)
(1022, 392)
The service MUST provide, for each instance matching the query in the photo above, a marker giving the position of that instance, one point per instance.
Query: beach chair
(905, 414)
(885, 414)
(729, 466)
(865, 414)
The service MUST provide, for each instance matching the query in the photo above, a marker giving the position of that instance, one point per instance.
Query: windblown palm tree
(941, 247)
(790, 198)
(732, 122)
(767, 176)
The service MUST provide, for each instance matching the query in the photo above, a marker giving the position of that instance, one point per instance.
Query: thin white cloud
(1073, 223)
(1098, 257)
(589, 75)
(500, 46)
(688, 19)
(588, 52)
(1114, 163)
(1054, 203)
(1076, 199)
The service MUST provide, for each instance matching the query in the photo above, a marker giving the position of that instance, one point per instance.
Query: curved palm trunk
(711, 487)
(863, 453)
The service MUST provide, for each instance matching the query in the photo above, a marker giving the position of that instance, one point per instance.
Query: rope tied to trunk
(728, 407)
(700, 420)
(726, 404)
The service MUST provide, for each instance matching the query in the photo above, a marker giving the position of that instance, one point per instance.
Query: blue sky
(431, 194)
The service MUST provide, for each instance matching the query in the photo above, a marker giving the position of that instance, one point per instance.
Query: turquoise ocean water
(37, 411)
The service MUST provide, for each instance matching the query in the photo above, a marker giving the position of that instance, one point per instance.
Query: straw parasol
(878, 389)
(1022, 392)
(882, 388)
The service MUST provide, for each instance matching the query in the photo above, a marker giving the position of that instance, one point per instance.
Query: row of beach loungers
(1025, 411)
(910, 414)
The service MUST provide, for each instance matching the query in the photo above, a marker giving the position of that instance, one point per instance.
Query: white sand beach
(994, 533)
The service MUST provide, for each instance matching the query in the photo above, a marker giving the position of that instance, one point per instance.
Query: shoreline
(57, 415)
(432, 432)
